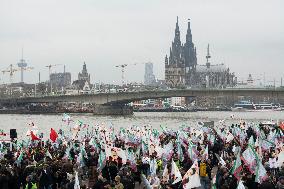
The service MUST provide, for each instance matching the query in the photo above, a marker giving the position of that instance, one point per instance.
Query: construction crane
(123, 66)
(50, 66)
(49, 73)
(11, 70)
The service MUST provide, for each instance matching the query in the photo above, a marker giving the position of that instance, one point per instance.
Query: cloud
(245, 35)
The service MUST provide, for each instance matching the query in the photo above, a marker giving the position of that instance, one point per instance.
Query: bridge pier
(112, 110)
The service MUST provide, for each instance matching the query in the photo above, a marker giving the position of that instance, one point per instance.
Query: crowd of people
(221, 156)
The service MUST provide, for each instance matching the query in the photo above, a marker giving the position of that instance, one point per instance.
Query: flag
(85, 126)
(175, 173)
(237, 167)
(34, 137)
(108, 152)
(266, 144)
(131, 159)
(53, 135)
(192, 151)
(281, 125)
(168, 151)
(101, 160)
(145, 181)
(75, 131)
(77, 184)
(121, 153)
(250, 157)
(165, 176)
(2, 133)
(241, 185)
(260, 173)
(145, 147)
(193, 176)
(205, 153)
(251, 141)
(80, 123)
(229, 137)
(48, 154)
(211, 139)
(20, 158)
(68, 154)
(190, 171)
(153, 166)
(155, 133)
(80, 159)
(66, 118)
(220, 159)
(179, 150)
(214, 183)
(164, 129)
(94, 144)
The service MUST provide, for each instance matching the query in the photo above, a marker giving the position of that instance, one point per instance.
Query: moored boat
(249, 106)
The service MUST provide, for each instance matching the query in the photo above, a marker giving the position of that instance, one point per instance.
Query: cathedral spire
(177, 33)
(177, 23)
(188, 34)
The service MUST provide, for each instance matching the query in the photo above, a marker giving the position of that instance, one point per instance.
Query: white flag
(176, 173)
(241, 185)
(76, 185)
(193, 177)
(166, 175)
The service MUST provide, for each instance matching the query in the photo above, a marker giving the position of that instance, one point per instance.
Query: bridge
(103, 100)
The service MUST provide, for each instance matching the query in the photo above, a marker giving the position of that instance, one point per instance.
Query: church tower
(175, 62)
(176, 49)
(181, 63)
(190, 56)
(84, 74)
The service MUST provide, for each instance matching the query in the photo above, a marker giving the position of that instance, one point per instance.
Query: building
(149, 77)
(182, 70)
(249, 83)
(250, 80)
(60, 80)
(83, 77)
(84, 74)
(213, 75)
(182, 60)
(178, 101)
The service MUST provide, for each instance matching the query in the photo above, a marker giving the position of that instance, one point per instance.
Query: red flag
(53, 135)
(34, 137)
(282, 125)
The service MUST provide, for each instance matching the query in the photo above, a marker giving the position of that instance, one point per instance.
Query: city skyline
(106, 34)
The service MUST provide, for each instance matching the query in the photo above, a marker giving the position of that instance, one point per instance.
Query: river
(171, 119)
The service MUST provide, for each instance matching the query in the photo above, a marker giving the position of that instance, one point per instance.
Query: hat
(281, 177)
(117, 178)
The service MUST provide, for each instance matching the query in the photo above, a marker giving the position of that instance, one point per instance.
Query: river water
(169, 119)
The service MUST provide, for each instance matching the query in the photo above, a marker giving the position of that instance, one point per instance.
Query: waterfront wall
(112, 110)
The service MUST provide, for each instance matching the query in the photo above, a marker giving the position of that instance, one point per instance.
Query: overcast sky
(246, 35)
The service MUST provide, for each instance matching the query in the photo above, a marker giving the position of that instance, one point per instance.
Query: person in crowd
(118, 184)
(218, 157)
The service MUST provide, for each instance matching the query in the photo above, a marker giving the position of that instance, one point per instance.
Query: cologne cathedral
(182, 70)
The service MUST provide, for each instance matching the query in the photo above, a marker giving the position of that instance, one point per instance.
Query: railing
(280, 89)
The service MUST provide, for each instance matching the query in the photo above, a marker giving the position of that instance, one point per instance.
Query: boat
(248, 106)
